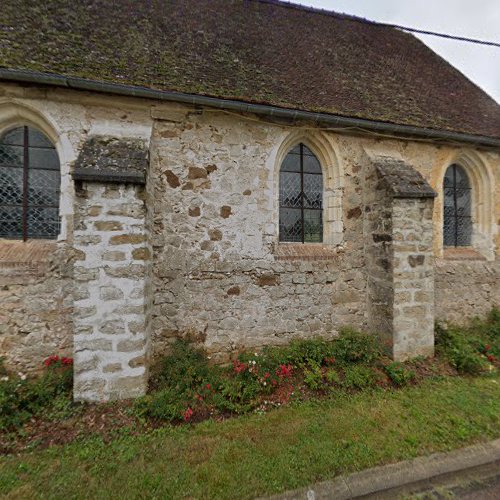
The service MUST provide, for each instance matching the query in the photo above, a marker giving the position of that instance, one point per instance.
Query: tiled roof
(258, 51)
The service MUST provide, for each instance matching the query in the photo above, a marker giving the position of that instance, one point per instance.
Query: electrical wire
(350, 17)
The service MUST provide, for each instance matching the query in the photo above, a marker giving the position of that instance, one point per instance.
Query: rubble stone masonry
(170, 217)
(110, 288)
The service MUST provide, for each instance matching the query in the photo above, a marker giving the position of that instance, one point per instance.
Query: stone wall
(413, 278)
(35, 303)
(466, 288)
(220, 276)
(111, 283)
(378, 236)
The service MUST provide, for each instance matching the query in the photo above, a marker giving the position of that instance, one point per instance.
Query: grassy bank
(261, 454)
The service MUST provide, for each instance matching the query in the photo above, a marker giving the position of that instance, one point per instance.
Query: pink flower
(284, 371)
(187, 414)
(238, 366)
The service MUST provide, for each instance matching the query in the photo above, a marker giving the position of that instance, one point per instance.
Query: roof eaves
(334, 121)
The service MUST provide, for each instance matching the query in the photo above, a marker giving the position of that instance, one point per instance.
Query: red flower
(329, 361)
(267, 375)
(491, 358)
(51, 360)
(67, 361)
(187, 414)
(208, 386)
(284, 371)
(238, 366)
(487, 347)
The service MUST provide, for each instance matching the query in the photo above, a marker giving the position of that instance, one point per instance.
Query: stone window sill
(305, 252)
(33, 255)
(464, 253)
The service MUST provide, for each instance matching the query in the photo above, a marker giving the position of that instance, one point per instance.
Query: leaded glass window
(29, 185)
(457, 230)
(301, 197)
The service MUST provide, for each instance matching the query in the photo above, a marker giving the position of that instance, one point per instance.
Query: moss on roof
(251, 50)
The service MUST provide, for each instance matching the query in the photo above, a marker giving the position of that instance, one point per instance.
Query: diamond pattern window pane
(43, 222)
(301, 197)
(457, 226)
(11, 156)
(32, 212)
(464, 231)
(43, 187)
(11, 220)
(11, 186)
(313, 226)
(291, 224)
(313, 191)
(290, 192)
(449, 232)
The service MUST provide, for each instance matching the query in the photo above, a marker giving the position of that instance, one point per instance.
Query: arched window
(29, 185)
(457, 230)
(301, 197)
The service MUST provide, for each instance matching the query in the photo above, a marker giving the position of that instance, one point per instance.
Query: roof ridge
(317, 10)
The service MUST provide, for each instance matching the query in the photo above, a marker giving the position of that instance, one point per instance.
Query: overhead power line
(434, 33)
(351, 17)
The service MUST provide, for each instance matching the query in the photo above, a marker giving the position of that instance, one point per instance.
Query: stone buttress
(112, 270)
(399, 257)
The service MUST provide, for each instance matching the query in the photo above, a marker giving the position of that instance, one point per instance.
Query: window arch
(457, 227)
(301, 197)
(29, 185)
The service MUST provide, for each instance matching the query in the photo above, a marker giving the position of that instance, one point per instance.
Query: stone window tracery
(301, 197)
(29, 185)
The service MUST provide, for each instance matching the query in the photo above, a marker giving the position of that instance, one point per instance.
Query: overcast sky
(470, 18)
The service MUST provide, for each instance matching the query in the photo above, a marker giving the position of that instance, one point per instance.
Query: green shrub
(358, 377)
(236, 395)
(355, 347)
(460, 347)
(399, 373)
(313, 376)
(299, 353)
(184, 369)
(22, 399)
(166, 404)
(332, 377)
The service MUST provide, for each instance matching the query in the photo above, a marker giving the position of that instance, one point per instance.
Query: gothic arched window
(301, 197)
(457, 229)
(29, 185)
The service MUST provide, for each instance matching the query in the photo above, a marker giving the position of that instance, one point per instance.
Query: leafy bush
(236, 395)
(185, 369)
(165, 404)
(355, 347)
(22, 398)
(358, 377)
(313, 376)
(332, 376)
(399, 373)
(460, 348)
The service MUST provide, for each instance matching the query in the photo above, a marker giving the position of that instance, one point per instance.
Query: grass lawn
(257, 454)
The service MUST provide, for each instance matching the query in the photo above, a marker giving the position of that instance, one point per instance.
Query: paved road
(482, 489)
